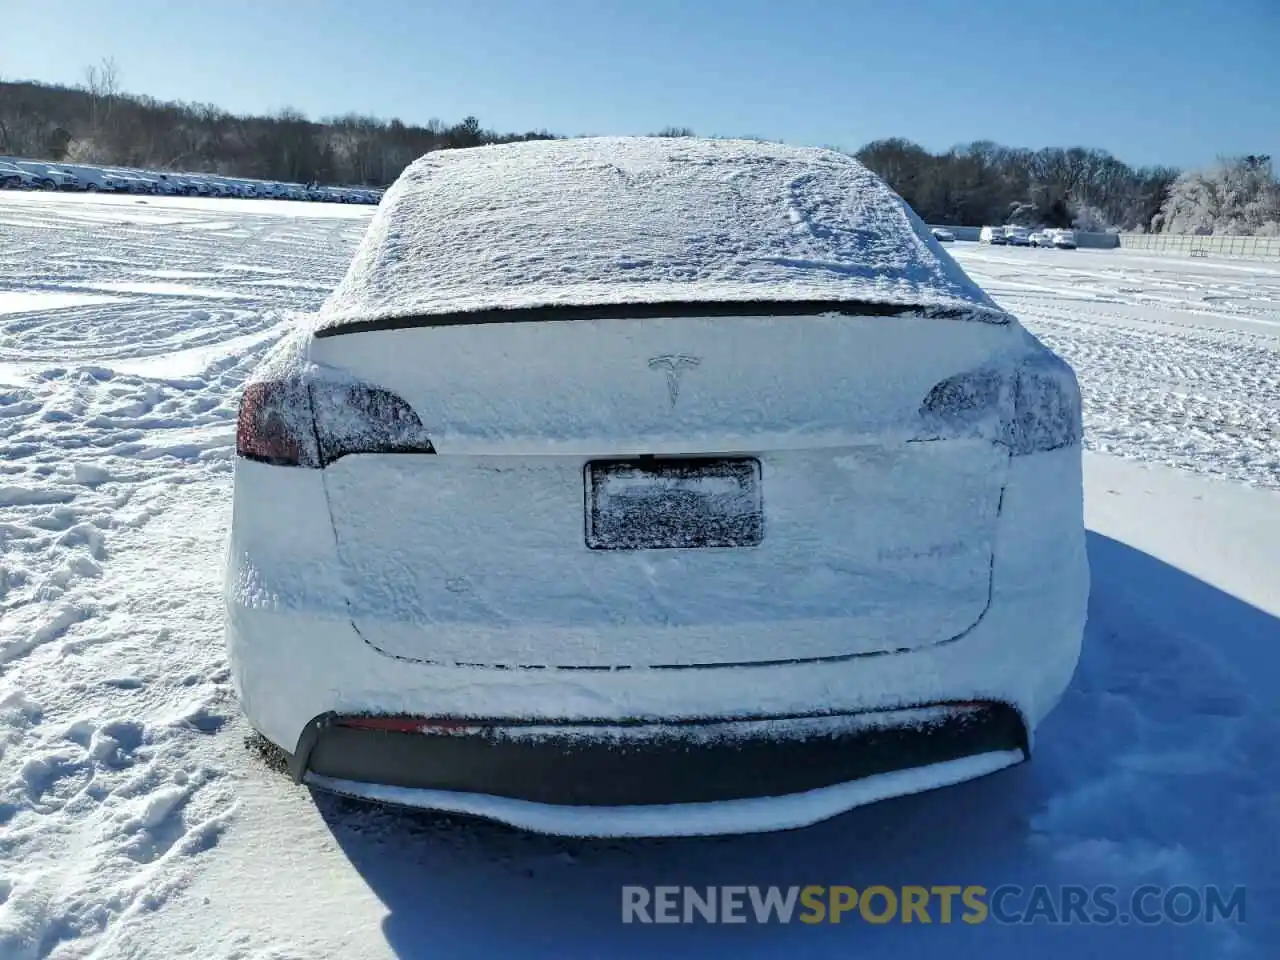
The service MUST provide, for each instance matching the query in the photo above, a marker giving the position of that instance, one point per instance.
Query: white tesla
(654, 486)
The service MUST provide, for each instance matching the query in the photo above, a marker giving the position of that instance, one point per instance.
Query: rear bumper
(694, 778)
(754, 815)
(703, 761)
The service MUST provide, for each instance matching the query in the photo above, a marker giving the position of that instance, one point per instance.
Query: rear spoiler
(662, 309)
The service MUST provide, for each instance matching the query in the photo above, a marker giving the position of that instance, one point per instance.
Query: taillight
(275, 424)
(292, 423)
(1032, 406)
(1048, 413)
(355, 418)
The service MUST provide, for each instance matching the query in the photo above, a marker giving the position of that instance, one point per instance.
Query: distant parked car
(1064, 239)
(15, 178)
(192, 186)
(36, 176)
(67, 180)
(144, 183)
(942, 236)
(95, 180)
(52, 178)
(171, 186)
(1039, 238)
(992, 235)
(134, 182)
(1017, 236)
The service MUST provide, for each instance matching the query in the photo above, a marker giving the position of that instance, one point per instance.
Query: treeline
(98, 124)
(979, 183)
(984, 183)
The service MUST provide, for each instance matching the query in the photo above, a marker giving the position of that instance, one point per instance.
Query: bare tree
(102, 80)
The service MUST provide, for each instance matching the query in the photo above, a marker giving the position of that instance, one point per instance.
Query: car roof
(641, 220)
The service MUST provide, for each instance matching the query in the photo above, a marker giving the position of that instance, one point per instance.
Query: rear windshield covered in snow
(613, 222)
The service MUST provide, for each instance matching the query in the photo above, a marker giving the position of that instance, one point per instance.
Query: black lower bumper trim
(624, 765)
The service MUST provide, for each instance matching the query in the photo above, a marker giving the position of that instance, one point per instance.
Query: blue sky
(1173, 82)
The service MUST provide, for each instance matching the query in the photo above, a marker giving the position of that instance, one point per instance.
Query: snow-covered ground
(135, 820)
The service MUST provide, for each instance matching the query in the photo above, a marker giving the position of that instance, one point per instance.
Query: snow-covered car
(129, 181)
(192, 186)
(171, 185)
(32, 176)
(558, 514)
(943, 236)
(52, 178)
(992, 235)
(1063, 239)
(219, 187)
(15, 178)
(95, 180)
(1017, 237)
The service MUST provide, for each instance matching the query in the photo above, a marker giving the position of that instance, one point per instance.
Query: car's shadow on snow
(1103, 802)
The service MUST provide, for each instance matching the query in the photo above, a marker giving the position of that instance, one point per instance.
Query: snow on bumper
(296, 655)
(753, 815)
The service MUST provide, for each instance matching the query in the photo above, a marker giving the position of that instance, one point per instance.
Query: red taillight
(297, 424)
(275, 425)
(384, 724)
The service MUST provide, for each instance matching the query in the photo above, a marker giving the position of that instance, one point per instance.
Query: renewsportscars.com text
(973, 904)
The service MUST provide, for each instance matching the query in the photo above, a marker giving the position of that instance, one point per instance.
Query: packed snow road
(135, 822)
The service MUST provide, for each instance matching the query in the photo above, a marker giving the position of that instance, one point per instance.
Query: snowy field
(135, 821)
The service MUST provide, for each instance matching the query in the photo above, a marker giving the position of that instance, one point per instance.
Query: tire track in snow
(1201, 396)
(116, 434)
(1210, 405)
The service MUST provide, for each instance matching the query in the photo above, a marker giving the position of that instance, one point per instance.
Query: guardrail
(1190, 245)
(1097, 241)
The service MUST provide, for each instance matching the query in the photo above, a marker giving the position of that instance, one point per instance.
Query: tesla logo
(673, 366)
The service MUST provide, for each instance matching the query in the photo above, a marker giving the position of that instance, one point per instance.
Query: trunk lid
(482, 553)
